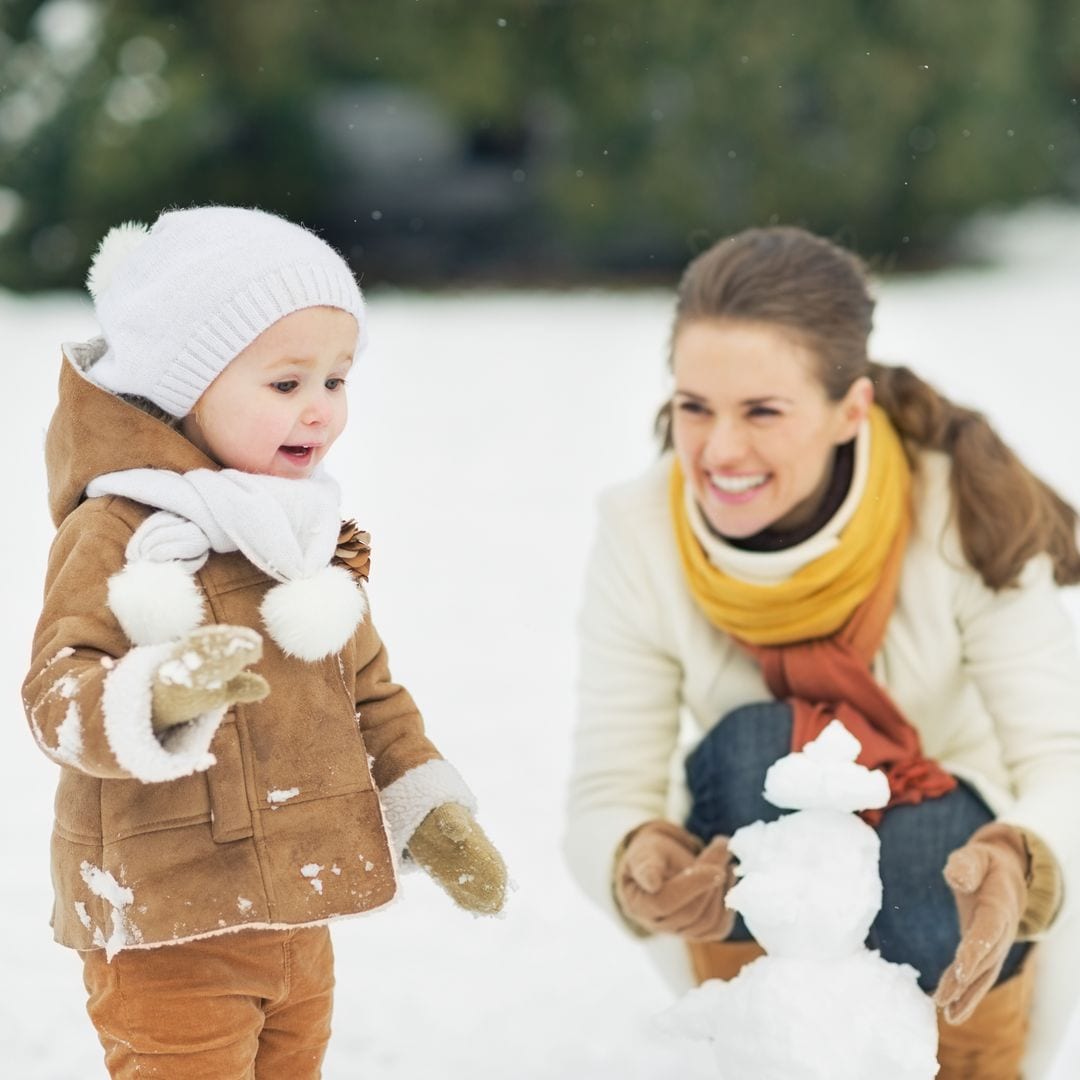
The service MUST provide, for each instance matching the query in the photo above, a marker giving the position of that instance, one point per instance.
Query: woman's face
(753, 428)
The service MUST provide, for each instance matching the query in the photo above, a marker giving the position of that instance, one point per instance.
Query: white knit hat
(178, 300)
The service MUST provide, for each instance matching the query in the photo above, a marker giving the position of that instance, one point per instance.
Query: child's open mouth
(300, 454)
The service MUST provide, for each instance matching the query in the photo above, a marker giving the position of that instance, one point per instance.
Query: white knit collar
(774, 567)
(287, 528)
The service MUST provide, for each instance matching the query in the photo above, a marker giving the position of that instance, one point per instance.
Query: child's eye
(334, 384)
(285, 386)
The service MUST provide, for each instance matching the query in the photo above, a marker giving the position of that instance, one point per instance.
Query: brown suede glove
(455, 851)
(667, 881)
(989, 878)
(206, 671)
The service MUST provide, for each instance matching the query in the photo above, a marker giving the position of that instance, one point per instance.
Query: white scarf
(286, 528)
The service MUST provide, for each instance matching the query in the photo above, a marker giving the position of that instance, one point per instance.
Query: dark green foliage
(525, 140)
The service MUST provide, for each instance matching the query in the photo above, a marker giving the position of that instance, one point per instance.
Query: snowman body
(819, 1005)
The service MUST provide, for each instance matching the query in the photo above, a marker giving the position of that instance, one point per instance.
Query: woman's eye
(285, 386)
(695, 408)
(762, 410)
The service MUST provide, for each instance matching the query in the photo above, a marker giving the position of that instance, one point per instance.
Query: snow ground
(482, 427)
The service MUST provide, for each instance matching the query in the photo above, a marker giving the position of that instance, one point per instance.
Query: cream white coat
(990, 680)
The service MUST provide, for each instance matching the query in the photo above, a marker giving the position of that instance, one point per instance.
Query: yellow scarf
(817, 600)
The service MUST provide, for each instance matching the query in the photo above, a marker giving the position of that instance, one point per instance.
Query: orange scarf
(830, 678)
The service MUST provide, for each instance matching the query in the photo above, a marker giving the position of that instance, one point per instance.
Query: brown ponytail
(1005, 513)
(789, 277)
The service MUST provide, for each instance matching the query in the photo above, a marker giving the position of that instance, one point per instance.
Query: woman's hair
(790, 278)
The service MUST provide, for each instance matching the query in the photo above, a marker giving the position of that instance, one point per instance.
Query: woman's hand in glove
(668, 881)
(206, 671)
(455, 851)
(988, 877)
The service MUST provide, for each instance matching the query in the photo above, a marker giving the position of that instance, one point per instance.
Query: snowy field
(482, 427)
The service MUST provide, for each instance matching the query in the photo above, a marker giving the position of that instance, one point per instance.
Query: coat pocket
(230, 815)
(130, 807)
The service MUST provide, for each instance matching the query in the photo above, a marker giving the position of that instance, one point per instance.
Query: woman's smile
(735, 488)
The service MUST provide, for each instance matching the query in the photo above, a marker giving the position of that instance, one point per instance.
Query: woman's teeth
(736, 485)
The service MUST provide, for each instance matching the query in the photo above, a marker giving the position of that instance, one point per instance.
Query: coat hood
(94, 432)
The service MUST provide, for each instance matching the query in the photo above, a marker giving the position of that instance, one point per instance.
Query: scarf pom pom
(155, 602)
(311, 618)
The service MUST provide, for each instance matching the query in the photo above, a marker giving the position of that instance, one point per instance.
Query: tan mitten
(454, 850)
(206, 671)
(668, 881)
(989, 879)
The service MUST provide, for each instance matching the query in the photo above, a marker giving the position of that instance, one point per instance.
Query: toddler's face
(280, 405)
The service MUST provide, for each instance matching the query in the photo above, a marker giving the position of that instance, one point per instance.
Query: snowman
(819, 1005)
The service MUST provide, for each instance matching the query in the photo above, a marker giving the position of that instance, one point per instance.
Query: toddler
(237, 766)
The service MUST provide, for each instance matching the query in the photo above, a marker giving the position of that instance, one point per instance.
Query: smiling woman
(828, 537)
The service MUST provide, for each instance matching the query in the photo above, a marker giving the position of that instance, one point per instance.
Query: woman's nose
(726, 443)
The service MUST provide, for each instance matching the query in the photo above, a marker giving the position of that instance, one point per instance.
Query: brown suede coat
(207, 852)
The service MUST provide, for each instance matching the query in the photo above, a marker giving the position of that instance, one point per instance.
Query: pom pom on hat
(179, 300)
(113, 251)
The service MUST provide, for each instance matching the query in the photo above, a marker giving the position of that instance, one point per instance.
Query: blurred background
(532, 142)
(518, 186)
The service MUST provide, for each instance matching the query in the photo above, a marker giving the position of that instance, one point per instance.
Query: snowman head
(825, 775)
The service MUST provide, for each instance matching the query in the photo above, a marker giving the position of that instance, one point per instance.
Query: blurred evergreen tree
(530, 139)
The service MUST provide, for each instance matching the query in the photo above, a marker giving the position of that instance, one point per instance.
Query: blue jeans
(917, 923)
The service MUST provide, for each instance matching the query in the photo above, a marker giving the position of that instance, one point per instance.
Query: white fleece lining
(411, 797)
(126, 705)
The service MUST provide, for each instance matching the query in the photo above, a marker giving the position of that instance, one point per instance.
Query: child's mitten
(454, 850)
(206, 671)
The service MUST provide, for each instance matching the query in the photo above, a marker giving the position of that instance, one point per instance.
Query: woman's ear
(855, 408)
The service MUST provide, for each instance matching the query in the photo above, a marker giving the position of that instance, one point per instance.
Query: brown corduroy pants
(250, 1005)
